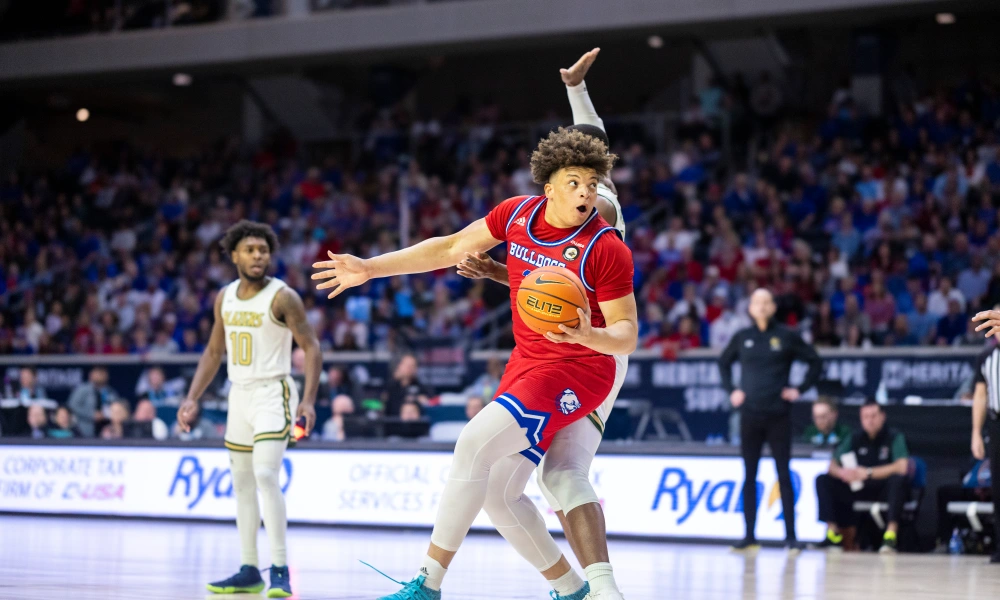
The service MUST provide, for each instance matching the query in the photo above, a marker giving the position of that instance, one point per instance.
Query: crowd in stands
(871, 231)
(20, 20)
(346, 406)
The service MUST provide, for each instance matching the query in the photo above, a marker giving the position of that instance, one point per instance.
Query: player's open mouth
(582, 208)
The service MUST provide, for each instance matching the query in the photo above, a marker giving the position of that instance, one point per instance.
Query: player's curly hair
(244, 229)
(570, 148)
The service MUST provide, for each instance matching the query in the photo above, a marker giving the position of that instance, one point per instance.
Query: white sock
(247, 510)
(434, 572)
(267, 456)
(568, 584)
(601, 577)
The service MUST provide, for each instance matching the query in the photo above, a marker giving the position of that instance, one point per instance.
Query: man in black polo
(986, 412)
(882, 463)
(766, 351)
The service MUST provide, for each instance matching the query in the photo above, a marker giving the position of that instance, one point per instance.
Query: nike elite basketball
(549, 297)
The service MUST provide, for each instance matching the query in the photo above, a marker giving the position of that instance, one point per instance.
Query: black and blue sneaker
(247, 581)
(281, 587)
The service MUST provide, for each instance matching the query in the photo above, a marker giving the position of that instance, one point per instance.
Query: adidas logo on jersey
(521, 221)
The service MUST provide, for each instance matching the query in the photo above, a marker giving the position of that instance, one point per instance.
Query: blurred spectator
(824, 327)
(27, 388)
(974, 281)
(156, 391)
(880, 308)
(922, 323)
(473, 406)
(685, 338)
(92, 401)
(853, 318)
(900, 334)
(409, 411)
(62, 426)
(486, 385)
(953, 325)
(826, 428)
(725, 326)
(938, 301)
(145, 412)
(336, 383)
(38, 422)
(333, 429)
(404, 387)
(163, 344)
(114, 429)
(690, 305)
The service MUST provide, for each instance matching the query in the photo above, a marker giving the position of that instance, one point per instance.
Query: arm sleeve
(611, 269)
(726, 360)
(498, 218)
(899, 449)
(807, 354)
(584, 112)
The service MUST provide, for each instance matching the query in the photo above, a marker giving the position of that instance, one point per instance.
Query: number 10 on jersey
(242, 345)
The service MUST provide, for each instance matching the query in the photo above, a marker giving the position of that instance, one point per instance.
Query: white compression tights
(253, 471)
(489, 445)
(564, 475)
(515, 516)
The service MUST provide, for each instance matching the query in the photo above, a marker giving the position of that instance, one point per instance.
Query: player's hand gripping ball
(549, 297)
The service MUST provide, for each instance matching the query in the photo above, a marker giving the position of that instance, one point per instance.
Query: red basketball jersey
(593, 251)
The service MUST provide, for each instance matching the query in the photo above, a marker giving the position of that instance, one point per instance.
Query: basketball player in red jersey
(550, 381)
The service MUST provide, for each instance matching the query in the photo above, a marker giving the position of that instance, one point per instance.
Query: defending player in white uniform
(256, 319)
(564, 474)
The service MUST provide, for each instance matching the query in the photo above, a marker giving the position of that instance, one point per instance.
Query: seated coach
(881, 468)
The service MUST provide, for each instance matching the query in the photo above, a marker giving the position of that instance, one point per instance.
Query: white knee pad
(241, 467)
(564, 475)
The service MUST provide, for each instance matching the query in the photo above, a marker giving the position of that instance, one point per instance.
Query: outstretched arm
(584, 112)
(344, 271)
(288, 309)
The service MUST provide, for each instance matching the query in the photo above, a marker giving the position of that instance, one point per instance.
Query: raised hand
(343, 272)
(991, 322)
(574, 75)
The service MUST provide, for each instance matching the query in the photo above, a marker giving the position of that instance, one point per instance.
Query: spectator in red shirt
(686, 336)
(880, 307)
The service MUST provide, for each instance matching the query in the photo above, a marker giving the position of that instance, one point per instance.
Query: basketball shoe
(281, 587)
(247, 581)
(581, 594)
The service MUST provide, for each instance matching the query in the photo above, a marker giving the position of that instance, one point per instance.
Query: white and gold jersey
(258, 346)
(605, 192)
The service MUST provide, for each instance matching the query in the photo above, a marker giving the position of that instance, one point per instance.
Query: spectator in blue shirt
(922, 323)
(847, 239)
(952, 325)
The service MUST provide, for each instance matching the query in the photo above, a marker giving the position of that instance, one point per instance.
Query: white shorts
(604, 410)
(260, 411)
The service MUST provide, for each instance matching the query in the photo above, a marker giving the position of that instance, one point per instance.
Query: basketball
(548, 297)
